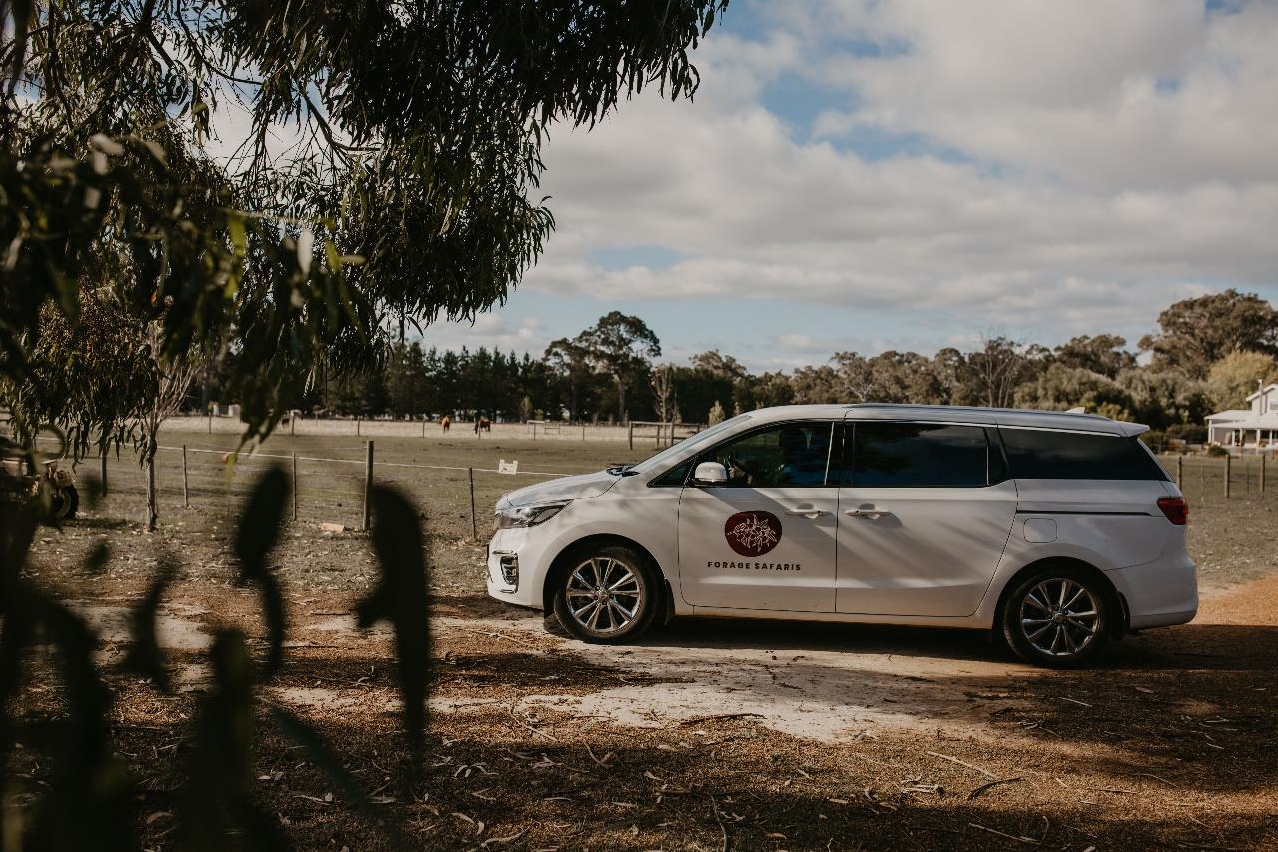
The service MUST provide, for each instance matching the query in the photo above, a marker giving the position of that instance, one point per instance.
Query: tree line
(1209, 353)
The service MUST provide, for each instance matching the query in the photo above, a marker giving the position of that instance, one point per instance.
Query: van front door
(764, 540)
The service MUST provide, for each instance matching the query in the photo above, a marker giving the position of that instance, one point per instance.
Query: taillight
(1176, 509)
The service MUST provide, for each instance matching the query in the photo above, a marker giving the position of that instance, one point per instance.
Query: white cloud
(1096, 162)
(1149, 92)
(492, 331)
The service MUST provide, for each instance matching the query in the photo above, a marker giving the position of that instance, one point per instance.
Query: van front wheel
(66, 502)
(608, 595)
(1057, 617)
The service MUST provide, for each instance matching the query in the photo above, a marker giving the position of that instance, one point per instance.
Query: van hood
(564, 488)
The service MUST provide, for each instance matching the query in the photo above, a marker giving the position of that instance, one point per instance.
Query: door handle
(807, 512)
(871, 513)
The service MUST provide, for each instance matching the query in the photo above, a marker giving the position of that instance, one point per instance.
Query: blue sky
(865, 175)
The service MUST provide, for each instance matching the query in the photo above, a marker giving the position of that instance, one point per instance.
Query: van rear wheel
(1058, 617)
(608, 595)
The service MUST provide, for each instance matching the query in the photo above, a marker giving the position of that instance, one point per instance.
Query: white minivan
(1058, 531)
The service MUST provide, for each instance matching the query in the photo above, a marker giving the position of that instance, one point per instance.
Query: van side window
(788, 455)
(918, 455)
(1044, 454)
(673, 478)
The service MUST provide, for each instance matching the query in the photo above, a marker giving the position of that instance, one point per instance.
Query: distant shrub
(1190, 433)
(1216, 450)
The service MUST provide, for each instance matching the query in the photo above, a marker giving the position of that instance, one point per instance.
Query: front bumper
(516, 568)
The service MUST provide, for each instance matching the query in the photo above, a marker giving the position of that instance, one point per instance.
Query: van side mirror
(710, 473)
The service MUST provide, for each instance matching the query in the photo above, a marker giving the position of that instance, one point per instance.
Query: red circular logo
(753, 533)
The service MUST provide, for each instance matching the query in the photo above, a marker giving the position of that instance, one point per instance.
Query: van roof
(1024, 418)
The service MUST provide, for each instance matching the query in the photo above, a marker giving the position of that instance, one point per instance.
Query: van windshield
(654, 463)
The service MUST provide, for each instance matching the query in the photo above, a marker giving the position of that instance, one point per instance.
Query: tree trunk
(152, 498)
(152, 502)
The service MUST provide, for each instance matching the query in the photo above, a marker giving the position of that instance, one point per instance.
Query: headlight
(526, 516)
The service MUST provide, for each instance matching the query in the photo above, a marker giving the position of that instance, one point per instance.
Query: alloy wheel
(604, 595)
(1060, 617)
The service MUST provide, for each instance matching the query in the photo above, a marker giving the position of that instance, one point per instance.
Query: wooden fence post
(630, 433)
(104, 470)
(368, 487)
(186, 491)
(1228, 466)
(1180, 472)
(295, 485)
(1262, 473)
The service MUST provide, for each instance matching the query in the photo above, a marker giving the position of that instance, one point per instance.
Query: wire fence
(330, 489)
(327, 489)
(1208, 477)
(631, 432)
(332, 479)
(331, 486)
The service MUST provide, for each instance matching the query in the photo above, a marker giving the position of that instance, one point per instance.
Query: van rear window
(1044, 454)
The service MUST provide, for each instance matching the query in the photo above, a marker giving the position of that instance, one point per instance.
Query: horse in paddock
(446, 421)
(483, 424)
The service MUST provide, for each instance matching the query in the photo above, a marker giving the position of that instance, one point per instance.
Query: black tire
(1058, 617)
(607, 595)
(550, 623)
(66, 502)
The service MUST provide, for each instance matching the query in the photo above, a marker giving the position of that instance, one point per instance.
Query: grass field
(435, 472)
(436, 469)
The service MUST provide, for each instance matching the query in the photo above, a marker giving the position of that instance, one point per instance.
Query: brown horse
(483, 424)
(446, 421)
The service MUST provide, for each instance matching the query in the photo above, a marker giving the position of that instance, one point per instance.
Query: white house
(1254, 427)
